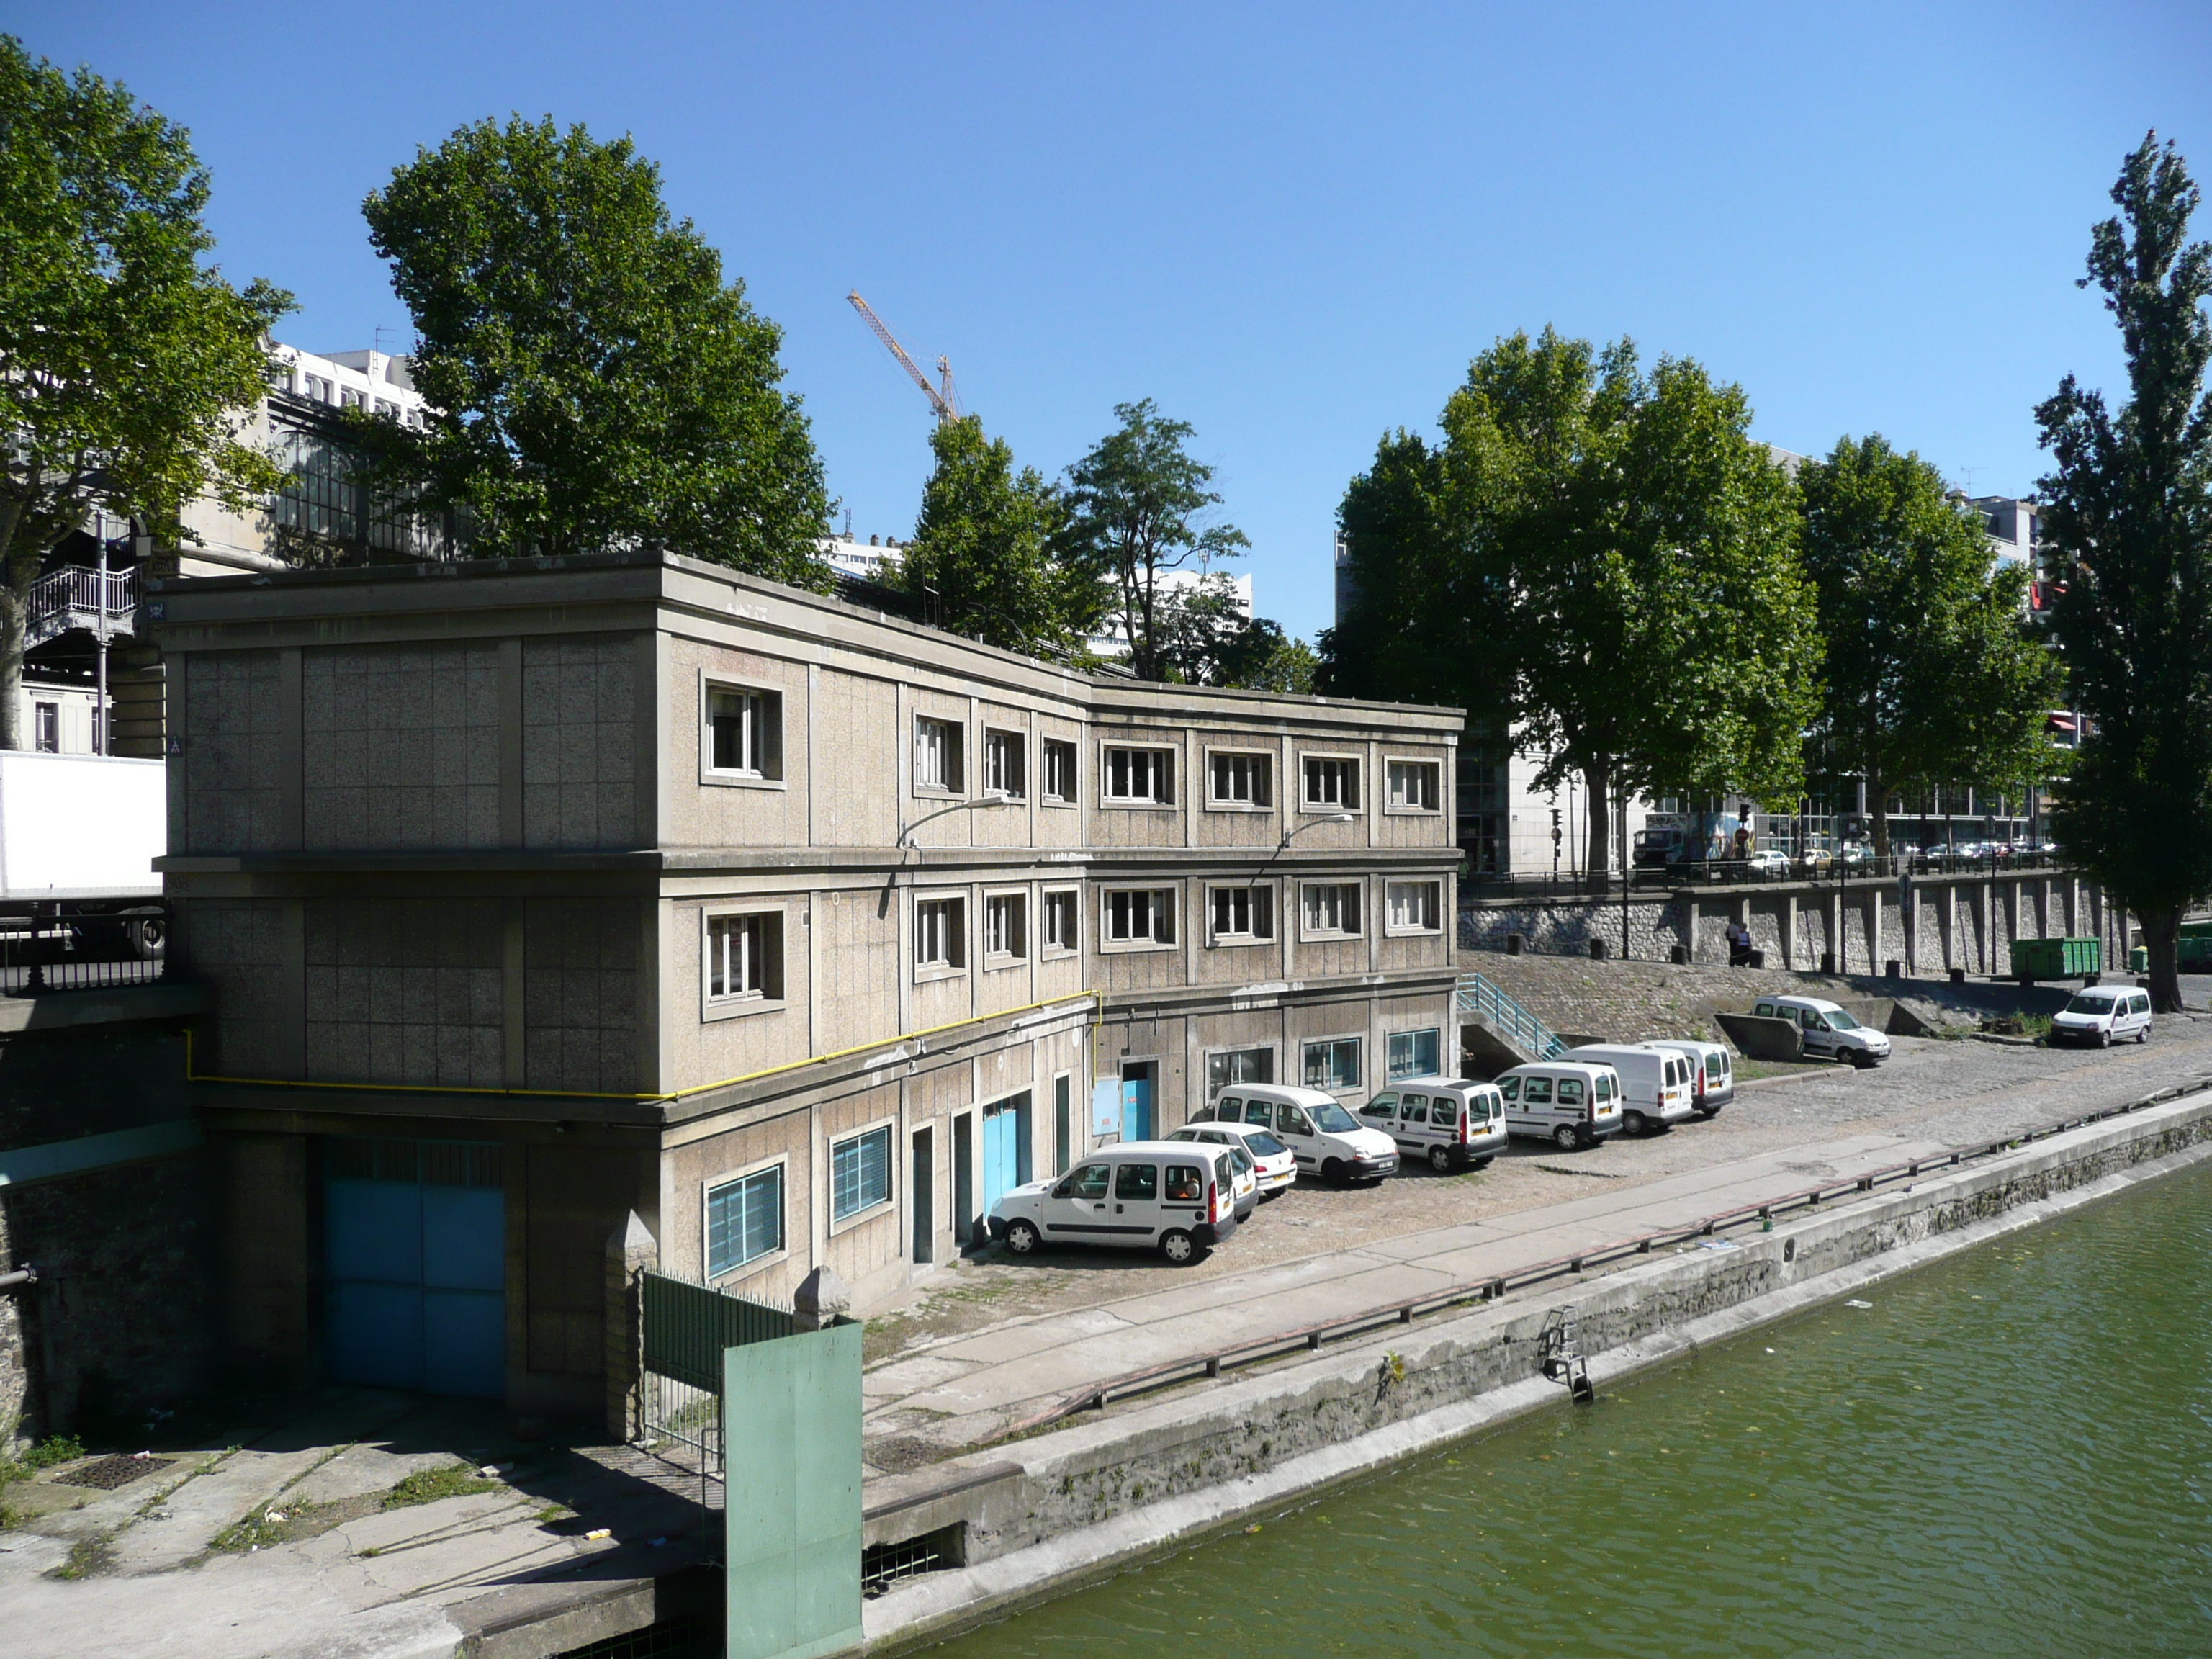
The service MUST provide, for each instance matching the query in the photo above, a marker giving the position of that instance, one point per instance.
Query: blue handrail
(1479, 996)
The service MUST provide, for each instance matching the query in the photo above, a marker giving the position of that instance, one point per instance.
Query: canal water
(2007, 1454)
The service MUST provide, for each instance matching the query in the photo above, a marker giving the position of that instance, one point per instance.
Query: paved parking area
(975, 1347)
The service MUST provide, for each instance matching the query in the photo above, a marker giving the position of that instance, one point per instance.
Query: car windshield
(2090, 1003)
(1332, 1119)
(1266, 1145)
(1841, 1021)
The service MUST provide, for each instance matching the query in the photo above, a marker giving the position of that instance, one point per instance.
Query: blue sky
(1291, 226)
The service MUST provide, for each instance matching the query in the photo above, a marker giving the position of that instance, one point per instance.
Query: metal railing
(1480, 999)
(687, 1326)
(1095, 1396)
(78, 596)
(69, 950)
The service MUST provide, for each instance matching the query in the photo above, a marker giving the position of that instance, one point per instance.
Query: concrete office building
(532, 894)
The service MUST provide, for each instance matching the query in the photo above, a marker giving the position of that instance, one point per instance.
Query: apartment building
(531, 895)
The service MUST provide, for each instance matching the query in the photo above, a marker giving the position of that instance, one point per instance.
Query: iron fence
(56, 948)
(687, 1326)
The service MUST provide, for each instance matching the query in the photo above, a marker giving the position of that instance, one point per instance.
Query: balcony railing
(102, 602)
(81, 951)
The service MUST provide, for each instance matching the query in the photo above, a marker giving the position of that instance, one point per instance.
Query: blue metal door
(415, 1259)
(1005, 1147)
(1137, 1107)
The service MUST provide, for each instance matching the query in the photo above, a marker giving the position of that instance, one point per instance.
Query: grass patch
(428, 1485)
(87, 1557)
(54, 1450)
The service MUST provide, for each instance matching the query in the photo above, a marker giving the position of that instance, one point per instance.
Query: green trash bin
(2057, 958)
(2193, 953)
(2139, 960)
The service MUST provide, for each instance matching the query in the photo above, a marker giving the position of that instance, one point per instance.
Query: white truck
(78, 837)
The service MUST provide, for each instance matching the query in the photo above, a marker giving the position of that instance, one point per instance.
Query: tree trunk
(1878, 807)
(14, 617)
(1595, 776)
(2162, 931)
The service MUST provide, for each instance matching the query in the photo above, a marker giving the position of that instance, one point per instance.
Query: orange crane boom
(942, 402)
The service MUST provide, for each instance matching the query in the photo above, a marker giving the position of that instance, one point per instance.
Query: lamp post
(906, 835)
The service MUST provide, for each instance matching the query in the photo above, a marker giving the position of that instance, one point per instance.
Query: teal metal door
(1137, 1105)
(414, 1254)
(1005, 1147)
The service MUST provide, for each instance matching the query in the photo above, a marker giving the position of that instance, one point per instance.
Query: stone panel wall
(580, 742)
(401, 746)
(232, 727)
(580, 995)
(405, 992)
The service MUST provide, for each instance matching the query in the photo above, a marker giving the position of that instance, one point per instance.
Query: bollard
(1597, 950)
(1958, 976)
(1827, 962)
(1516, 945)
(1678, 955)
(821, 1298)
(1758, 957)
(1893, 968)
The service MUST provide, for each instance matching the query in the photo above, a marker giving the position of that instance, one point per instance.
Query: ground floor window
(1333, 1063)
(1238, 1065)
(1414, 1054)
(859, 1173)
(745, 1220)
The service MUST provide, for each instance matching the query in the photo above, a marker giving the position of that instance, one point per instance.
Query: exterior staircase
(1496, 1032)
(102, 603)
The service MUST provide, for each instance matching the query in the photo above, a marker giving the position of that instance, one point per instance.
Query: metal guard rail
(1311, 1337)
(1478, 996)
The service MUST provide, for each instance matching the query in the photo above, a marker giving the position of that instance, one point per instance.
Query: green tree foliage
(1932, 677)
(127, 366)
(2127, 510)
(1140, 505)
(1599, 558)
(1206, 639)
(981, 553)
(596, 384)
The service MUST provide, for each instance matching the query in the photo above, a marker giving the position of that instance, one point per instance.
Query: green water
(2008, 1454)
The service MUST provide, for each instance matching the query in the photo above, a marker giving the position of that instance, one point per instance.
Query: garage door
(415, 1260)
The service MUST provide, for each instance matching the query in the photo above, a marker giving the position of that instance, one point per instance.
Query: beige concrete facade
(461, 855)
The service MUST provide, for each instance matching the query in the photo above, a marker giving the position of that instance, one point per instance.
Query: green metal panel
(688, 1326)
(2057, 958)
(792, 1513)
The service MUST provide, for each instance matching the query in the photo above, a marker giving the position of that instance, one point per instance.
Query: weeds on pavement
(428, 1485)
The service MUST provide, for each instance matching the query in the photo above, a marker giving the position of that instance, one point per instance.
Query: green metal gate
(687, 1328)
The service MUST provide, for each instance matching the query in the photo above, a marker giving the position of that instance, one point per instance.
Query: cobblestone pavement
(1954, 1092)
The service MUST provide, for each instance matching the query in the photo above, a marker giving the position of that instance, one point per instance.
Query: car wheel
(2104, 1039)
(2143, 1036)
(1709, 1113)
(1566, 1136)
(1332, 1172)
(1440, 1159)
(1022, 1238)
(1179, 1246)
(1635, 1124)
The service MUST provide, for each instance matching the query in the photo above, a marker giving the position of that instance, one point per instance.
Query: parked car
(1256, 1179)
(1655, 1083)
(2102, 1016)
(1326, 1140)
(1570, 1103)
(1829, 1032)
(1174, 1196)
(1767, 864)
(1712, 1083)
(1454, 1125)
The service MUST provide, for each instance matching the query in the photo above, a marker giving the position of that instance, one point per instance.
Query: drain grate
(109, 1472)
(883, 1565)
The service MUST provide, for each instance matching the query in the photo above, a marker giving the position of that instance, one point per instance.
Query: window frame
(1215, 940)
(1108, 944)
(1394, 930)
(955, 753)
(1266, 759)
(1355, 1039)
(1389, 1066)
(780, 1164)
(710, 682)
(1019, 898)
(1359, 929)
(955, 965)
(1047, 951)
(1434, 768)
(1155, 802)
(1214, 1091)
(886, 1126)
(728, 1007)
(1048, 750)
(1357, 761)
(998, 740)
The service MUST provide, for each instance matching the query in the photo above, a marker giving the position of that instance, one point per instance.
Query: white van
(1274, 1168)
(1714, 1084)
(1174, 1196)
(1829, 1032)
(1326, 1140)
(2102, 1016)
(1572, 1103)
(1654, 1082)
(1454, 1125)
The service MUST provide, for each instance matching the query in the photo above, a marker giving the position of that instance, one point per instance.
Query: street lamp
(906, 835)
(1290, 835)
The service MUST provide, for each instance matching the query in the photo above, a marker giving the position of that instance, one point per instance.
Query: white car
(1326, 1140)
(1244, 1172)
(1454, 1124)
(1169, 1195)
(1829, 1032)
(2101, 1016)
(1275, 1167)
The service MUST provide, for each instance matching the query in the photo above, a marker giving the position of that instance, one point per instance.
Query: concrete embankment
(1026, 1520)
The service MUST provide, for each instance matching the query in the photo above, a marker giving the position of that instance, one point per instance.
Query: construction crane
(941, 396)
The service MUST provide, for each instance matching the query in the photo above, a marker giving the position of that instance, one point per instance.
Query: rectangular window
(46, 727)
(1331, 783)
(1414, 786)
(1331, 908)
(1138, 917)
(1140, 776)
(1060, 772)
(745, 1220)
(1242, 780)
(1005, 925)
(1333, 1064)
(1243, 914)
(936, 755)
(1238, 1065)
(744, 957)
(1004, 769)
(861, 1173)
(1416, 907)
(940, 932)
(1062, 926)
(745, 732)
(1413, 1053)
